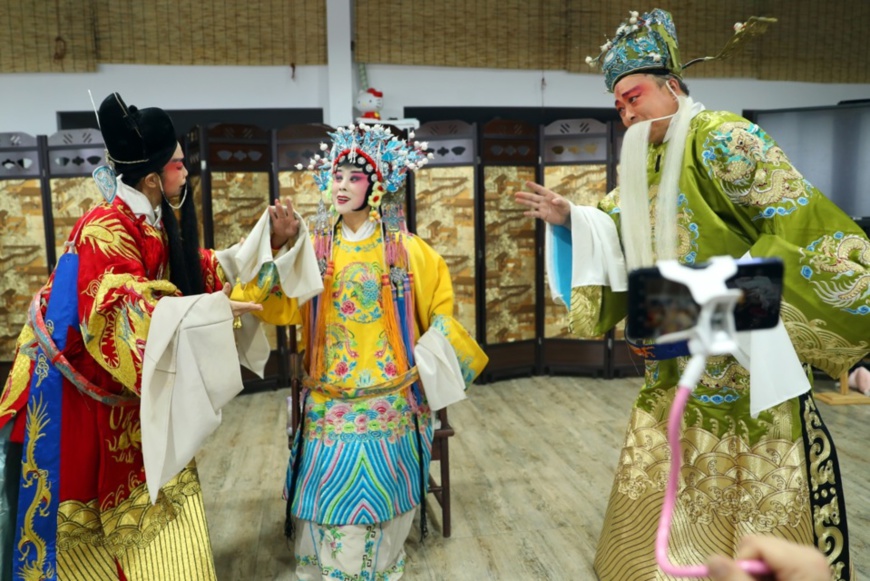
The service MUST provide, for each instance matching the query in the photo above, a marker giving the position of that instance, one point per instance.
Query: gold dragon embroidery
(755, 171)
(128, 439)
(34, 476)
(108, 236)
(849, 254)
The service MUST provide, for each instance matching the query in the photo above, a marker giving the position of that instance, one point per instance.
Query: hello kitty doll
(369, 103)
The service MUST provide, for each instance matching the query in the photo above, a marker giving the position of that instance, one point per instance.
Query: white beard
(636, 228)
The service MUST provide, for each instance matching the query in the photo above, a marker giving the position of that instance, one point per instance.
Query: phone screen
(658, 306)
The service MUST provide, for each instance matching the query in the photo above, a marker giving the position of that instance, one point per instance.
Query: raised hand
(285, 225)
(544, 204)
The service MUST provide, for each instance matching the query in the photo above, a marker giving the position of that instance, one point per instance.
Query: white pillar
(338, 109)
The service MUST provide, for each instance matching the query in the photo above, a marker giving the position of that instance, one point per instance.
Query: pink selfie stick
(713, 335)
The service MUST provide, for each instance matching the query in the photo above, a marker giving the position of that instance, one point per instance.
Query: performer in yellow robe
(382, 351)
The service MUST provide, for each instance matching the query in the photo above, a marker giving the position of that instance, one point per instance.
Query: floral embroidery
(754, 171)
(341, 353)
(306, 560)
(341, 369)
(387, 418)
(335, 537)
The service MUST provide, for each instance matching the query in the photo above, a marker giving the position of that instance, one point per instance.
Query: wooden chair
(440, 454)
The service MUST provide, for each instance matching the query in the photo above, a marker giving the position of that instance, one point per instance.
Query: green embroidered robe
(777, 473)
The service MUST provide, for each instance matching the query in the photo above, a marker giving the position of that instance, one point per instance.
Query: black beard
(185, 268)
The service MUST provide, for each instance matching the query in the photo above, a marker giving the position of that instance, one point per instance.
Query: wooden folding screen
(445, 213)
(580, 158)
(296, 144)
(575, 155)
(231, 170)
(512, 273)
(23, 256)
(462, 204)
(72, 157)
(45, 187)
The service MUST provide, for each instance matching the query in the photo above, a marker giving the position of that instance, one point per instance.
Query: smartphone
(658, 306)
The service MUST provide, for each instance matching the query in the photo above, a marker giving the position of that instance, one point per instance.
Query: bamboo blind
(167, 32)
(813, 41)
(217, 32)
(46, 36)
(515, 34)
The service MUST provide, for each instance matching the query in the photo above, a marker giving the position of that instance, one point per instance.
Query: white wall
(29, 101)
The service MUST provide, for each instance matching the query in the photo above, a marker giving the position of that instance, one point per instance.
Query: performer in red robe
(70, 410)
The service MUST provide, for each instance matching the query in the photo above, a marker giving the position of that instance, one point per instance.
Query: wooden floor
(532, 465)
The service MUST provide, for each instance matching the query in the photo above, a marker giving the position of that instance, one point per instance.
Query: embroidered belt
(337, 392)
(659, 351)
(43, 337)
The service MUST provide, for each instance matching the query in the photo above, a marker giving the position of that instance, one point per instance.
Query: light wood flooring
(532, 465)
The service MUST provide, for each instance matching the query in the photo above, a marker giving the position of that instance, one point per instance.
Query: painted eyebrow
(629, 93)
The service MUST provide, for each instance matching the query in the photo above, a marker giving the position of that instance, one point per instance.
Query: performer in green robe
(696, 184)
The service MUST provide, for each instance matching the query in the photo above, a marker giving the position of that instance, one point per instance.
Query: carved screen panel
(238, 199)
(23, 260)
(445, 219)
(510, 257)
(299, 186)
(71, 198)
(583, 185)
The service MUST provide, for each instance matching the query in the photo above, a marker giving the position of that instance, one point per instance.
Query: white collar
(366, 230)
(139, 204)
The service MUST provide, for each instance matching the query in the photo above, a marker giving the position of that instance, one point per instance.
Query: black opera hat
(138, 141)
